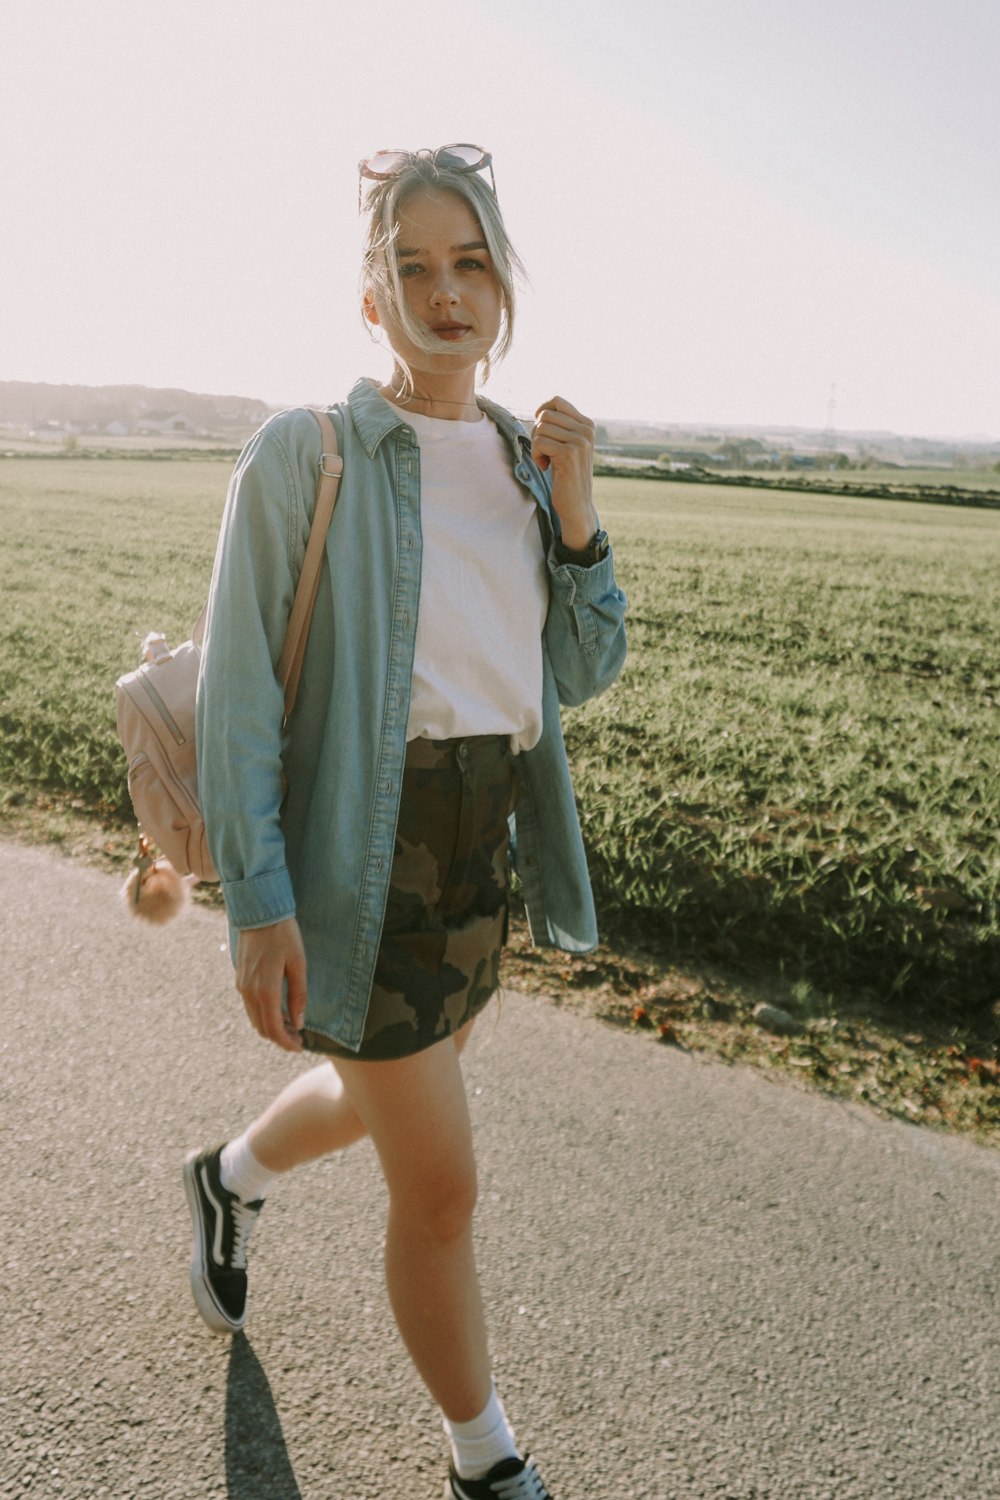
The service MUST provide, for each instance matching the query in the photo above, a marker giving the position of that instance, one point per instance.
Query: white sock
(242, 1173)
(477, 1445)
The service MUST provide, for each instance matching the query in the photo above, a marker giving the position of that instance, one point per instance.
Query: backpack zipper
(162, 708)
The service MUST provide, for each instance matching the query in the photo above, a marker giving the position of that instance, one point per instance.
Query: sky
(771, 212)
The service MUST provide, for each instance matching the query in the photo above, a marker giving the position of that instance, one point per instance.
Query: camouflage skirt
(446, 915)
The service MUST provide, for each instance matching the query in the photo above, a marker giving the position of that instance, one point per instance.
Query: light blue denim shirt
(324, 853)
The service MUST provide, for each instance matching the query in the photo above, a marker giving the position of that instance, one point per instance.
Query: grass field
(967, 479)
(92, 552)
(799, 770)
(801, 763)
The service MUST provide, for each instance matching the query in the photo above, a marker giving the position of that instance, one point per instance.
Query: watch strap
(595, 551)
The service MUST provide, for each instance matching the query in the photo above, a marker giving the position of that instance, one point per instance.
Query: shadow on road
(257, 1463)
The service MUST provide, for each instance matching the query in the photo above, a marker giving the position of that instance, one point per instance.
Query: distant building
(153, 422)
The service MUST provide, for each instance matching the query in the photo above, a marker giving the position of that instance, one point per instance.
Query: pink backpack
(156, 705)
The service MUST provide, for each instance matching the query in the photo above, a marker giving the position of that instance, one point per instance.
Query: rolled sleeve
(585, 630)
(260, 900)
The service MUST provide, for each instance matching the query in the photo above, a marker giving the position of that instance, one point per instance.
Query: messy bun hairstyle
(380, 266)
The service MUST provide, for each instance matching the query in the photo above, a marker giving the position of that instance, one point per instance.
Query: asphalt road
(701, 1283)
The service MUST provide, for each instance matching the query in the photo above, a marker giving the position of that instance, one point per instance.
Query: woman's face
(448, 282)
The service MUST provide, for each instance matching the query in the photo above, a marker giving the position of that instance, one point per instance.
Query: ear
(370, 310)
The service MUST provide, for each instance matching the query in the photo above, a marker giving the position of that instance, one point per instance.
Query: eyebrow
(455, 249)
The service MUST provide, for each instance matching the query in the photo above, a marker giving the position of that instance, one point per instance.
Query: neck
(452, 398)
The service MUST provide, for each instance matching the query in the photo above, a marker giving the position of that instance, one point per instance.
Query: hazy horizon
(618, 418)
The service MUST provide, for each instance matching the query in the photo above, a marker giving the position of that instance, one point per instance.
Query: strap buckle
(336, 465)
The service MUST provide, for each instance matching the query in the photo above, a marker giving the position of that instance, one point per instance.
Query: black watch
(595, 551)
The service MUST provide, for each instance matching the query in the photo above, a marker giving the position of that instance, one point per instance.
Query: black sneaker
(511, 1479)
(222, 1227)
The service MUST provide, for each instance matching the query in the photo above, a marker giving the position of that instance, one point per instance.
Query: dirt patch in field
(848, 1047)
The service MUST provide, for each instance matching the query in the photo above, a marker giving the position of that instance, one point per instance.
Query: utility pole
(829, 432)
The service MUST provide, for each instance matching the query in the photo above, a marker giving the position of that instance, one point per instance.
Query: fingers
(296, 995)
(559, 406)
(267, 959)
(267, 1016)
(560, 419)
(561, 434)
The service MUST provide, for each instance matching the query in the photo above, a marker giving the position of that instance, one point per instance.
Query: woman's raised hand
(265, 958)
(562, 440)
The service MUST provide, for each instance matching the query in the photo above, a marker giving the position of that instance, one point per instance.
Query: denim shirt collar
(374, 418)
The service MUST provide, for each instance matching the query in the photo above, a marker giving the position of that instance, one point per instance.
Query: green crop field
(801, 764)
(799, 770)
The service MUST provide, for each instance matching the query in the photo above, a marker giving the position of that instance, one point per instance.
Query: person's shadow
(257, 1463)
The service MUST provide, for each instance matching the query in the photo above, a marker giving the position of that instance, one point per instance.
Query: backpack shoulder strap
(331, 468)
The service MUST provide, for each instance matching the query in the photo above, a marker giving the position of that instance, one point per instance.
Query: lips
(449, 331)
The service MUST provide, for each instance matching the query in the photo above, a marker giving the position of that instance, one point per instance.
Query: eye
(409, 268)
(470, 263)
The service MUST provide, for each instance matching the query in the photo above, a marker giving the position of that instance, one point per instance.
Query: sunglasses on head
(461, 157)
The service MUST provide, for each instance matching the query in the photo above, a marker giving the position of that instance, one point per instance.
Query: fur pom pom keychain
(153, 890)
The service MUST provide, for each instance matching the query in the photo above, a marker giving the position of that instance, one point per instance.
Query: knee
(439, 1205)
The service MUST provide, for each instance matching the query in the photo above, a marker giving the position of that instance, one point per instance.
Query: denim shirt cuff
(260, 900)
(583, 583)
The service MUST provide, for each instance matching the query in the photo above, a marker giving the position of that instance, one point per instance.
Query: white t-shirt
(477, 667)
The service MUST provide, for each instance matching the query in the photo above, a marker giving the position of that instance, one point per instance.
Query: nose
(444, 293)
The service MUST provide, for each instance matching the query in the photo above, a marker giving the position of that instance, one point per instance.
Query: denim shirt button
(522, 471)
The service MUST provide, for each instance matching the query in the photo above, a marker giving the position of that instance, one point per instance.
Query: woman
(363, 847)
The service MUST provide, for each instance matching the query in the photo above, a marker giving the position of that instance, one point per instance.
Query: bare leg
(416, 1111)
(311, 1117)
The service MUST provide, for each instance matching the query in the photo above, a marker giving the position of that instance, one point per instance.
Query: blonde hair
(380, 266)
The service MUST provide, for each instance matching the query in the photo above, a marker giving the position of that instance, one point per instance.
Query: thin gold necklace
(400, 398)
